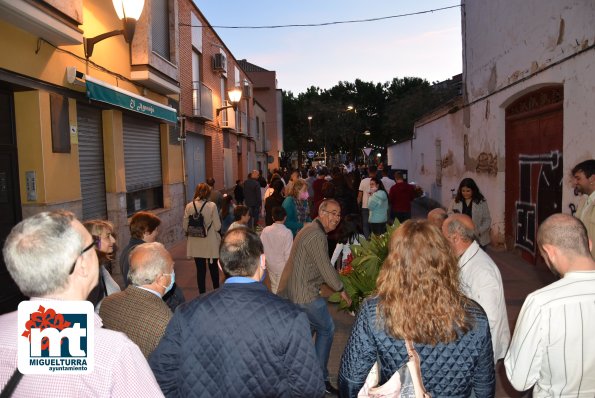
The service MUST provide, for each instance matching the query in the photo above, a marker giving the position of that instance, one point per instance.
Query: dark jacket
(252, 193)
(448, 370)
(275, 200)
(238, 341)
(125, 260)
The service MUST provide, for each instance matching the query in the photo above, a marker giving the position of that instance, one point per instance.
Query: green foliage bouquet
(360, 274)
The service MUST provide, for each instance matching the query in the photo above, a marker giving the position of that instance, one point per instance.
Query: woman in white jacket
(470, 201)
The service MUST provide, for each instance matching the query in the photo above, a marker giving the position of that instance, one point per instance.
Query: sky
(426, 45)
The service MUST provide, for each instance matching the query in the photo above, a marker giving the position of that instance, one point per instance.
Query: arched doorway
(534, 168)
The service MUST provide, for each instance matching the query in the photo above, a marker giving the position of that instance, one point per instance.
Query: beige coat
(587, 216)
(204, 247)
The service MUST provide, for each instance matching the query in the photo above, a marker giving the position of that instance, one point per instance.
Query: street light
(235, 95)
(129, 12)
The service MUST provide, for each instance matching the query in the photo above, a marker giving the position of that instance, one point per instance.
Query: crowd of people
(438, 288)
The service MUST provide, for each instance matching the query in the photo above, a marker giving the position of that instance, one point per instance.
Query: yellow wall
(113, 151)
(57, 174)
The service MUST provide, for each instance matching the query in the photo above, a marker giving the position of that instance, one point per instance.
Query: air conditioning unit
(247, 91)
(219, 63)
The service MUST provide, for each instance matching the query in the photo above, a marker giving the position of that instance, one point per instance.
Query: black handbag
(196, 223)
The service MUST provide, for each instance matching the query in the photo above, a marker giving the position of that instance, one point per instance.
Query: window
(257, 128)
(160, 27)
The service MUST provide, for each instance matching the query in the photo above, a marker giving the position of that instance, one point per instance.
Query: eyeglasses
(96, 239)
(332, 213)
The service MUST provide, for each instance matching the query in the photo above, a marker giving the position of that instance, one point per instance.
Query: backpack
(196, 223)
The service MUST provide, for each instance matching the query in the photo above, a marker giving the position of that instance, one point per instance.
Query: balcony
(243, 127)
(202, 101)
(228, 117)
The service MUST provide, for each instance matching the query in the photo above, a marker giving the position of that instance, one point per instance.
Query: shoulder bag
(404, 383)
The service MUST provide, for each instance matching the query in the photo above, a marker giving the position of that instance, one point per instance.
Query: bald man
(480, 278)
(437, 216)
(553, 346)
(139, 311)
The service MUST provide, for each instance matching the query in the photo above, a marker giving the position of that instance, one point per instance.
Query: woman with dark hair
(226, 213)
(204, 250)
(377, 206)
(471, 202)
(420, 299)
(350, 233)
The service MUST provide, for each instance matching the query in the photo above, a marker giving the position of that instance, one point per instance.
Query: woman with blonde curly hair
(296, 206)
(419, 299)
(204, 250)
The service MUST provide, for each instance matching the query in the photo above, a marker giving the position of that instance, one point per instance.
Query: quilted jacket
(238, 341)
(448, 370)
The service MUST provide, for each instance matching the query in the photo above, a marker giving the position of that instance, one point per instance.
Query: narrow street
(519, 279)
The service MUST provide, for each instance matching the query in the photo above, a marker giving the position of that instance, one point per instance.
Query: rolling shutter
(92, 171)
(142, 154)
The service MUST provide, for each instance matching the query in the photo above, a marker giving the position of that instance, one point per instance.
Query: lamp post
(129, 12)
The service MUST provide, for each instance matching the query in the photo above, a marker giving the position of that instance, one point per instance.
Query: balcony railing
(202, 101)
(228, 117)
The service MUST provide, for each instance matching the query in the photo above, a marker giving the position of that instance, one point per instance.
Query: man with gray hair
(553, 346)
(139, 311)
(480, 278)
(240, 340)
(51, 258)
(437, 216)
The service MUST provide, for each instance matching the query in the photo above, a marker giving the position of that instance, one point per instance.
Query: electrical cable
(309, 25)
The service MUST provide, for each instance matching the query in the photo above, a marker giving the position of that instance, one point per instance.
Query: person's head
(385, 172)
(143, 225)
(151, 265)
(584, 176)
(350, 228)
(311, 173)
(226, 204)
(376, 184)
(295, 175)
(238, 182)
(329, 214)
(279, 214)
(277, 186)
(202, 191)
(104, 232)
(468, 190)
(372, 171)
(437, 216)
(241, 214)
(398, 177)
(299, 190)
(563, 242)
(49, 255)
(322, 173)
(254, 174)
(459, 230)
(211, 182)
(328, 190)
(241, 254)
(418, 286)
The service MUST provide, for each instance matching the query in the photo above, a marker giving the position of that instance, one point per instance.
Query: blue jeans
(322, 324)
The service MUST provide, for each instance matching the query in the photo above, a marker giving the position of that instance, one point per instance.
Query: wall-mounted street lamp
(367, 132)
(235, 95)
(129, 12)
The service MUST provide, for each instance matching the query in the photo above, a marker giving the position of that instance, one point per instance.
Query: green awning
(100, 91)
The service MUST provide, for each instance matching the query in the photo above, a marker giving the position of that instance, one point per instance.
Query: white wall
(399, 155)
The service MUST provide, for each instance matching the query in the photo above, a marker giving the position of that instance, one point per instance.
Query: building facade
(523, 120)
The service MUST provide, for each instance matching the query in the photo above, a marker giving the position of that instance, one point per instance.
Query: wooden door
(534, 168)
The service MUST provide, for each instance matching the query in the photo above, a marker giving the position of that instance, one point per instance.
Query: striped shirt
(309, 266)
(553, 346)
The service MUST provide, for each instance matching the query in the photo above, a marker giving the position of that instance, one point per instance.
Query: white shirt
(277, 240)
(364, 186)
(584, 211)
(388, 183)
(482, 282)
(553, 346)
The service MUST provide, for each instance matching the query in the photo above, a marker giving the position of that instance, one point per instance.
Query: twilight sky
(426, 45)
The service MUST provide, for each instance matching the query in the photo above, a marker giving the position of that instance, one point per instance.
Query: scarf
(302, 210)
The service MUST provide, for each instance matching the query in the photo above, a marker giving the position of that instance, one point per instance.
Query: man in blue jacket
(240, 340)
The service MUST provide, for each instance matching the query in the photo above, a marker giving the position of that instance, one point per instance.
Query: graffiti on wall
(533, 207)
(487, 163)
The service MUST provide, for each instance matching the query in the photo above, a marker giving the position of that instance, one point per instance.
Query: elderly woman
(420, 299)
(105, 242)
(204, 250)
(296, 206)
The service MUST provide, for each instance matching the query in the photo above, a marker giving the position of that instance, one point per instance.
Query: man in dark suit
(139, 311)
(240, 340)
